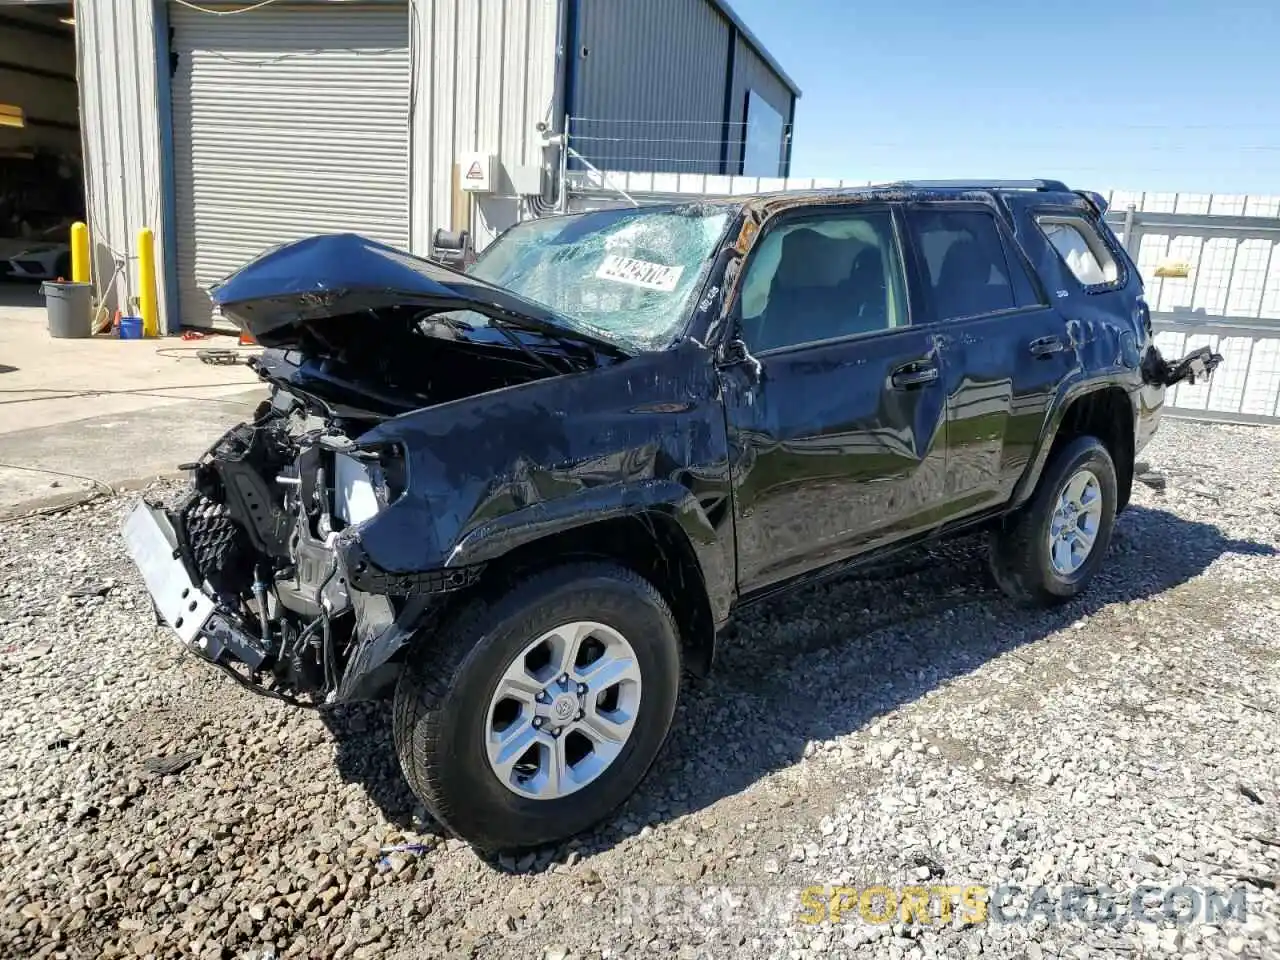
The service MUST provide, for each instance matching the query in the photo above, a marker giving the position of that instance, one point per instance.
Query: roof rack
(1052, 186)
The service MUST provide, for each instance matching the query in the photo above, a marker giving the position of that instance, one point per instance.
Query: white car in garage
(39, 261)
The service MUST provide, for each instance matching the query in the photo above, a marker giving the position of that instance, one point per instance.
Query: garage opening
(288, 120)
(41, 166)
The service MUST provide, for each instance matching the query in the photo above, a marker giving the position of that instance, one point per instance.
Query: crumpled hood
(289, 286)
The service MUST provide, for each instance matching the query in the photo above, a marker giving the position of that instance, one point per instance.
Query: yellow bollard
(147, 306)
(79, 253)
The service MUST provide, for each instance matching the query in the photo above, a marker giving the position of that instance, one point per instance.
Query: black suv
(525, 496)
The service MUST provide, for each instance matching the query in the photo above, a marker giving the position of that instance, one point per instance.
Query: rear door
(1005, 348)
(837, 438)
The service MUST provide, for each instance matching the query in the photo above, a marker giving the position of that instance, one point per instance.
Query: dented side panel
(829, 458)
(1106, 333)
(499, 470)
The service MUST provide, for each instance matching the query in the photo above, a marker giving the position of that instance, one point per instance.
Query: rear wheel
(530, 718)
(1050, 549)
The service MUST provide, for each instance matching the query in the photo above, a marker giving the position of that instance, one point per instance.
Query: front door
(836, 417)
(1006, 350)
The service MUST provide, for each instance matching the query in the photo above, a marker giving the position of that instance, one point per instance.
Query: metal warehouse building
(228, 128)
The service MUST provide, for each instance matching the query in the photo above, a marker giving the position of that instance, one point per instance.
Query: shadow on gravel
(827, 662)
(367, 756)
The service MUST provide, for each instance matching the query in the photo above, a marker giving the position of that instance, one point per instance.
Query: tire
(1020, 553)
(442, 716)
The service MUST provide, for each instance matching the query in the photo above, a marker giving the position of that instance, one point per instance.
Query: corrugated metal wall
(649, 88)
(485, 75)
(115, 46)
(286, 124)
(485, 72)
(750, 72)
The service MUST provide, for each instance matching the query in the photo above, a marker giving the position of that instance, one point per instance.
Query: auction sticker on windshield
(639, 273)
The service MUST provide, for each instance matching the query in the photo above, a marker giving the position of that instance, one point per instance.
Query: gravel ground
(908, 728)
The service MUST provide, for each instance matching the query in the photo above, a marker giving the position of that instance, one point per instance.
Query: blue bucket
(130, 328)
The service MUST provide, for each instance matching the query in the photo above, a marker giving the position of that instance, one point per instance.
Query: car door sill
(871, 558)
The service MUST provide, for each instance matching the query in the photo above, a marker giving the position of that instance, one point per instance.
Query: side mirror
(735, 353)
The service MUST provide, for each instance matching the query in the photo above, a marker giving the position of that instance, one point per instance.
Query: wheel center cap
(564, 707)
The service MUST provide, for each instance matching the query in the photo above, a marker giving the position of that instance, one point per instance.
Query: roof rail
(1054, 186)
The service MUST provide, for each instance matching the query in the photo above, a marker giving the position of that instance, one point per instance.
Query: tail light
(1142, 317)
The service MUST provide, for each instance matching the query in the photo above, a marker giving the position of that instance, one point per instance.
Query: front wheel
(531, 716)
(1051, 548)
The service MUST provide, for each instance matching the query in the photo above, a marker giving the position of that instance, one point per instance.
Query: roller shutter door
(288, 120)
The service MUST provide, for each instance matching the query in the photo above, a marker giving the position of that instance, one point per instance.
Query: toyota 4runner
(522, 498)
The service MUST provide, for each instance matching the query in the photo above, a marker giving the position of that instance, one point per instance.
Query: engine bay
(257, 529)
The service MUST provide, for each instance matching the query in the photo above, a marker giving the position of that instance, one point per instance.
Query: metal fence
(687, 147)
(1229, 299)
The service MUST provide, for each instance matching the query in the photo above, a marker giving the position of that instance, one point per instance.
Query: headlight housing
(368, 480)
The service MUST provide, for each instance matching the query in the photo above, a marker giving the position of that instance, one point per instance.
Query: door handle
(1047, 346)
(913, 375)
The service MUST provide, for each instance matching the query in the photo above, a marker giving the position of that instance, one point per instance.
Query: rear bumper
(1148, 402)
(1157, 376)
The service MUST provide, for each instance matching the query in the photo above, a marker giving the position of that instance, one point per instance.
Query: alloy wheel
(563, 710)
(1074, 524)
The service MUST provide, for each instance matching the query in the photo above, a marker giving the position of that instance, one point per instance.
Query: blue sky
(1128, 94)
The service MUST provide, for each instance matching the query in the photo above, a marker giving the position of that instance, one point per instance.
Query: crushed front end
(260, 567)
(249, 566)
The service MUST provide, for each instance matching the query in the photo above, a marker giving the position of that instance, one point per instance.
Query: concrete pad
(120, 412)
(46, 381)
(120, 451)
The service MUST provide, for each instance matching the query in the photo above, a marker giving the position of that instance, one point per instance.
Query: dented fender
(1072, 390)
(492, 472)
(1144, 388)
(496, 538)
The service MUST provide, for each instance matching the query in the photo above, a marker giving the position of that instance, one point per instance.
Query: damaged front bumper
(192, 614)
(211, 631)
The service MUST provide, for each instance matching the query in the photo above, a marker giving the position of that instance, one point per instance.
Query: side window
(964, 262)
(1082, 249)
(823, 278)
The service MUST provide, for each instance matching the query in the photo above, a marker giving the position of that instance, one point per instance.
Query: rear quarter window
(1081, 248)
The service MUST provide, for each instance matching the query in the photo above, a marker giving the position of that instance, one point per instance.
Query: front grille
(219, 547)
(30, 266)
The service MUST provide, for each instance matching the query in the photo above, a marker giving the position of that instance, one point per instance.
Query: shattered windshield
(625, 275)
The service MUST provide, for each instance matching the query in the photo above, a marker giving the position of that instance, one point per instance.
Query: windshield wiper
(502, 328)
(568, 339)
(572, 344)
